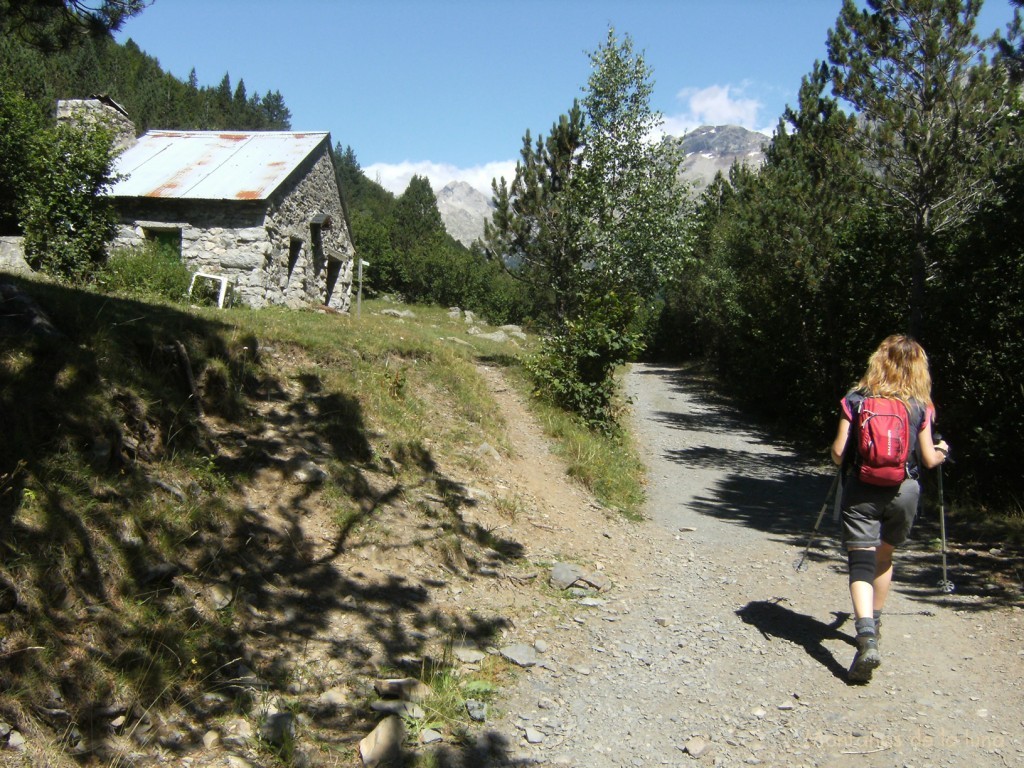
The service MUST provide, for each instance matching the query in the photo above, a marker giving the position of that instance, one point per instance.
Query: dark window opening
(333, 272)
(167, 241)
(294, 249)
(316, 228)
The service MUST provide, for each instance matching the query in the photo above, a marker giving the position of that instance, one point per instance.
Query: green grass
(445, 707)
(608, 465)
(107, 470)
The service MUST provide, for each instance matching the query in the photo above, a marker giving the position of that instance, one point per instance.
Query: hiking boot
(866, 661)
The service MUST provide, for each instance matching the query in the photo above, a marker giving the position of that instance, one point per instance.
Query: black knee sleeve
(862, 565)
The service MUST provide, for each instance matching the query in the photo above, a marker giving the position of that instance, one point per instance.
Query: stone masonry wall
(291, 210)
(12, 254)
(90, 112)
(217, 237)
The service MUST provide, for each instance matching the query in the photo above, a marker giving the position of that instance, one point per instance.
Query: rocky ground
(710, 646)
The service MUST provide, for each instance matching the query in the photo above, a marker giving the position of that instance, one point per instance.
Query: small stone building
(260, 208)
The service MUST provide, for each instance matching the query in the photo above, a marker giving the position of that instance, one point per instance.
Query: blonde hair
(898, 369)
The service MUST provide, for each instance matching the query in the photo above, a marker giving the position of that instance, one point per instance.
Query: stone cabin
(261, 209)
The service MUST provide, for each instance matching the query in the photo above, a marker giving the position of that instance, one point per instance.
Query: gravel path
(712, 648)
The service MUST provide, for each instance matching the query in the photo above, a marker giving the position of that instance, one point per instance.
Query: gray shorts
(873, 514)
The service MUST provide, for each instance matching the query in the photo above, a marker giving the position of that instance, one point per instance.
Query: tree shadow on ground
(981, 580)
(768, 486)
(774, 620)
(111, 567)
(489, 749)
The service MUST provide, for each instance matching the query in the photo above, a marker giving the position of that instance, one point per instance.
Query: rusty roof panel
(211, 165)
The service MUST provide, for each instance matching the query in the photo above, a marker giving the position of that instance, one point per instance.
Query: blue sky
(447, 88)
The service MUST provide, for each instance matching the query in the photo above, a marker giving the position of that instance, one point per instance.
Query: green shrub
(151, 271)
(67, 216)
(576, 364)
(19, 123)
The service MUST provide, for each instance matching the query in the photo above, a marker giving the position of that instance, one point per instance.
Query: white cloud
(715, 105)
(395, 177)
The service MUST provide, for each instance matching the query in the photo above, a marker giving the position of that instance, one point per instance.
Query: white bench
(222, 294)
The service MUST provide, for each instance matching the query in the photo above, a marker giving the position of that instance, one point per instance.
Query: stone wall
(289, 218)
(12, 254)
(99, 111)
(217, 237)
(251, 242)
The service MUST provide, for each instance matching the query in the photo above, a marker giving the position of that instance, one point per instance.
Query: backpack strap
(851, 456)
(917, 413)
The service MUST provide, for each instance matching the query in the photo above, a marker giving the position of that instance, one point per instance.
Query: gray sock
(865, 626)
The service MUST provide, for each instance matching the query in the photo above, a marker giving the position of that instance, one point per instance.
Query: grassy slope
(117, 486)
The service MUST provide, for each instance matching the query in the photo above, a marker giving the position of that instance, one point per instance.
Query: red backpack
(883, 441)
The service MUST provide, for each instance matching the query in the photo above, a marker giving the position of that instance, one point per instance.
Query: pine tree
(220, 114)
(417, 219)
(240, 107)
(931, 110)
(55, 25)
(276, 116)
(531, 232)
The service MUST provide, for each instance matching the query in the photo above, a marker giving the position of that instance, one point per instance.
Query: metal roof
(211, 165)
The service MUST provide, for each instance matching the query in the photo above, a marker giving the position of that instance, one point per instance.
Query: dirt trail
(711, 647)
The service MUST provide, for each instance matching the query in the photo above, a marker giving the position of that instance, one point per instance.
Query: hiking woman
(877, 518)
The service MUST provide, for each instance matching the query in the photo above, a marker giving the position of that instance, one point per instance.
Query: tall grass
(153, 270)
(606, 463)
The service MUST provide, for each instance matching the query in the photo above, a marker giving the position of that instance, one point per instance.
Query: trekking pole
(945, 584)
(800, 564)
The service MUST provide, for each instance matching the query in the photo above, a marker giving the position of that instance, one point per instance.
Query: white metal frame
(222, 294)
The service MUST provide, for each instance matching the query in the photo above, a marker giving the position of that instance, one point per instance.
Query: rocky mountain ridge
(464, 209)
(713, 148)
(708, 150)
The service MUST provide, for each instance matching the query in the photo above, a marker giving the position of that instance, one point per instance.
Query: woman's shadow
(775, 620)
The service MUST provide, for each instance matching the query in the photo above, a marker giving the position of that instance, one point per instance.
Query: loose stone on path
(520, 654)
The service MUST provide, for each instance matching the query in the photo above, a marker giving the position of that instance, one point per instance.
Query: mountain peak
(456, 188)
(463, 209)
(713, 148)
